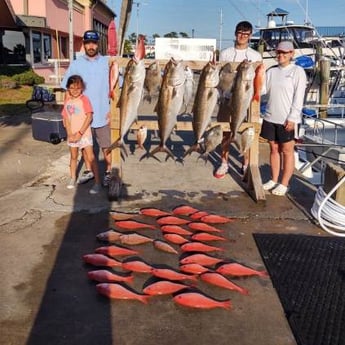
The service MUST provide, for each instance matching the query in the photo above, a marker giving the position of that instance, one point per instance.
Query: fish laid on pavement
(201, 259)
(132, 224)
(136, 265)
(246, 140)
(119, 291)
(193, 268)
(153, 80)
(199, 247)
(241, 96)
(131, 93)
(204, 103)
(175, 229)
(198, 300)
(153, 212)
(114, 250)
(109, 236)
(184, 210)
(236, 269)
(211, 139)
(215, 219)
(217, 279)
(198, 215)
(104, 276)
(169, 103)
(259, 80)
(172, 220)
(203, 227)
(163, 287)
(188, 88)
(101, 260)
(175, 238)
(165, 247)
(205, 236)
(171, 274)
(115, 215)
(134, 239)
(141, 137)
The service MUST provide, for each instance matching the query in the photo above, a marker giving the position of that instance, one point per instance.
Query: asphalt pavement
(45, 229)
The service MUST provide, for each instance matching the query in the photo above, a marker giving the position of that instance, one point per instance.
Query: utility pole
(220, 29)
(70, 29)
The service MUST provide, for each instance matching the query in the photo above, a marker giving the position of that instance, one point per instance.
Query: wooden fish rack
(252, 182)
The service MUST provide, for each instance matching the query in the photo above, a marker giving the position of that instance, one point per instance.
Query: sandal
(280, 190)
(269, 185)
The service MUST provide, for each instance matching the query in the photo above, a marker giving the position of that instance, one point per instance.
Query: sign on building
(195, 49)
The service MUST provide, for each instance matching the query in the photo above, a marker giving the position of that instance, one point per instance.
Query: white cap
(285, 46)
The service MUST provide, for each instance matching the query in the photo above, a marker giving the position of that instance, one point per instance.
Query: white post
(70, 29)
(220, 29)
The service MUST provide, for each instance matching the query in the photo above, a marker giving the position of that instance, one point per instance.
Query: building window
(41, 47)
(12, 47)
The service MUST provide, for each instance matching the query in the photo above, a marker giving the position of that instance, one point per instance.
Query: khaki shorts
(102, 136)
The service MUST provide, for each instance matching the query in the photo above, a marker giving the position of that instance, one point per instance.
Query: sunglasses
(245, 34)
(279, 52)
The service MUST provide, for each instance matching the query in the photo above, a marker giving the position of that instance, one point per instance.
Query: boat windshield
(301, 37)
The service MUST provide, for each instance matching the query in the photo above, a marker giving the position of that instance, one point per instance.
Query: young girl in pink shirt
(77, 117)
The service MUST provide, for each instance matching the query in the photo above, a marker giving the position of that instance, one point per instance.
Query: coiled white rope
(329, 213)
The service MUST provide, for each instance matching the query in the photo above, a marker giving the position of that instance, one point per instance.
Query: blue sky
(203, 16)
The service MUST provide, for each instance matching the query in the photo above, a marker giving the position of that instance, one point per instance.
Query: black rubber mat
(308, 273)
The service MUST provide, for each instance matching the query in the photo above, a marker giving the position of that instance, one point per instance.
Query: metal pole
(70, 29)
(220, 29)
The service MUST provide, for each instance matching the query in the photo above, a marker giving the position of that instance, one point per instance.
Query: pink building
(36, 32)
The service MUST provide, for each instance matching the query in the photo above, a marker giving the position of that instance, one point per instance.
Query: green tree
(172, 34)
(184, 35)
(127, 48)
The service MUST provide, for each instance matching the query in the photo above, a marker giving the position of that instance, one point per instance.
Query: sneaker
(96, 188)
(222, 171)
(86, 176)
(71, 183)
(269, 185)
(106, 179)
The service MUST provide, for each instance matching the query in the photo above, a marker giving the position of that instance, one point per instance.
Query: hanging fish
(141, 136)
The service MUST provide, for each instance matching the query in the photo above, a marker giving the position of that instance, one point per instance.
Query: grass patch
(12, 101)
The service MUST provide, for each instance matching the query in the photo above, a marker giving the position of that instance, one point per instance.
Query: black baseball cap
(91, 36)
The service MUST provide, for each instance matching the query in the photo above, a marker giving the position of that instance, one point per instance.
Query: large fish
(131, 93)
(188, 88)
(153, 80)
(169, 103)
(114, 250)
(259, 80)
(241, 96)
(105, 276)
(163, 287)
(226, 80)
(204, 103)
(171, 274)
(236, 269)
